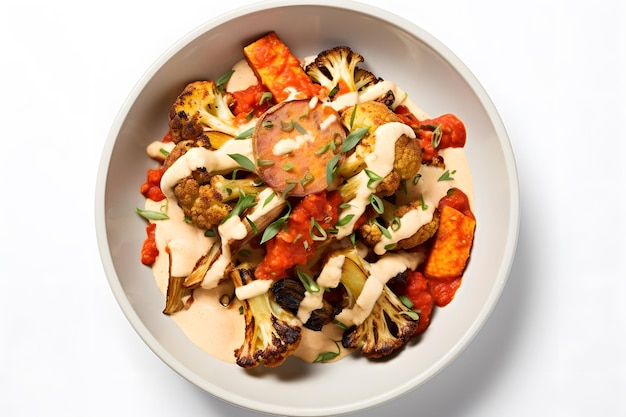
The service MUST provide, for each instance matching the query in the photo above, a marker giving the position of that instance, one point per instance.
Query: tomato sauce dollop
(296, 244)
(149, 250)
(151, 188)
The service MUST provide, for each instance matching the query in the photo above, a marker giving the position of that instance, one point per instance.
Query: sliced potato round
(296, 143)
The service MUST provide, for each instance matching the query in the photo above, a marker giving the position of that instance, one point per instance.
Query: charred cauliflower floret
(336, 70)
(207, 199)
(390, 324)
(372, 115)
(271, 332)
(183, 146)
(200, 107)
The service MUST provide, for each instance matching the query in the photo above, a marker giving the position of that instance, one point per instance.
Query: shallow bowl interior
(394, 49)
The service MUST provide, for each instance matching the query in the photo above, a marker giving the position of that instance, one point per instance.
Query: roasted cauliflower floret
(371, 232)
(183, 146)
(390, 324)
(336, 70)
(271, 332)
(200, 107)
(206, 200)
(372, 115)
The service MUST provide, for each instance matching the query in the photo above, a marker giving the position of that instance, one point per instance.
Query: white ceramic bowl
(394, 49)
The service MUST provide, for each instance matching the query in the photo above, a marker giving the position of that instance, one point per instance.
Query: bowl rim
(376, 13)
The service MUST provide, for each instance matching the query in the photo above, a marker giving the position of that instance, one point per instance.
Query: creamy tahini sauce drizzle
(380, 272)
(379, 161)
(206, 317)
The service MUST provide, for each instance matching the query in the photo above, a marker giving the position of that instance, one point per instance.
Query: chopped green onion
(316, 231)
(308, 177)
(383, 229)
(412, 314)
(334, 91)
(210, 233)
(152, 215)
(377, 204)
(422, 203)
(395, 224)
(437, 134)
(244, 202)
(309, 283)
(288, 166)
(264, 162)
(374, 178)
(268, 124)
(164, 152)
(286, 126)
(265, 97)
(406, 301)
(331, 171)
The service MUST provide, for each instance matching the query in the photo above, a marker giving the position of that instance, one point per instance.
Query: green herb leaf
(447, 176)
(334, 91)
(299, 128)
(277, 225)
(245, 134)
(220, 83)
(152, 215)
(269, 199)
(331, 171)
(243, 160)
(244, 202)
(353, 139)
(345, 220)
(327, 356)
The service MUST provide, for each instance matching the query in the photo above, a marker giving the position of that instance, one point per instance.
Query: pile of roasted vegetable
(311, 191)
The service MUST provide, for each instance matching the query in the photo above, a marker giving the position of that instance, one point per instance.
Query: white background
(555, 344)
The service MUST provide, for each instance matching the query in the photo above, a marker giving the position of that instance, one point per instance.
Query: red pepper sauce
(152, 187)
(149, 250)
(445, 131)
(250, 103)
(297, 243)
